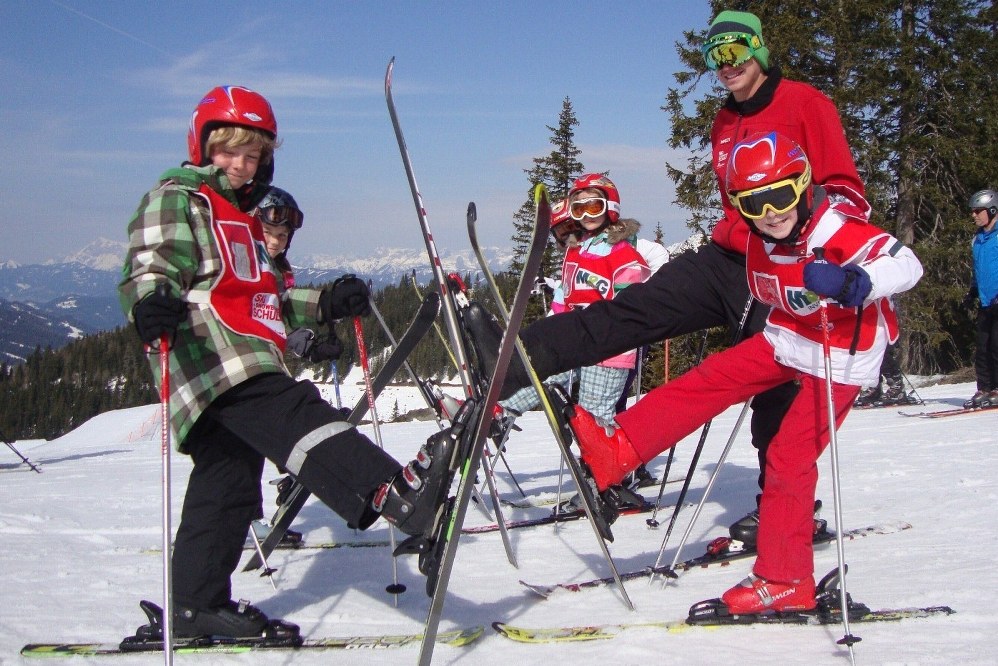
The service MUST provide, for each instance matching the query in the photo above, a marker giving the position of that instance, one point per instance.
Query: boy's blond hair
(233, 136)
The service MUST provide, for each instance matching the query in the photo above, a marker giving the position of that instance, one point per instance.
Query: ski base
(456, 638)
(708, 559)
(858, 613)
(551, 519)
(959, 411)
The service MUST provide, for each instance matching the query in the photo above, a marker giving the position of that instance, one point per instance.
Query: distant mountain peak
(101, 254)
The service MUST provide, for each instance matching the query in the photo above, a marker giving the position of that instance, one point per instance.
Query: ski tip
(540, 194)
(388, 75)
(472, 211)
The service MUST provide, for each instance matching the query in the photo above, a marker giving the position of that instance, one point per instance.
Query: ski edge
(453, 638)
(608, 631)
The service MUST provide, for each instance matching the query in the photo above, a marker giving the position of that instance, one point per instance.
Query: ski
(607, 631)
(709, 559)
(959, 411)
(305, 545)
(297, 495)
(908, 401)
(456, 638)
(437, 559)
(445, 547)
(552, 519)
(556, 409)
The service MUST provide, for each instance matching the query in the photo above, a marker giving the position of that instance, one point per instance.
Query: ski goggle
(778, 197)
(730, 49)
(563, 231)
(278, 215)
(592, 207)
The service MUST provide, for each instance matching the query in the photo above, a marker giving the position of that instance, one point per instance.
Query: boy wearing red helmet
(769, 183)
(198, 272)
(705, 289)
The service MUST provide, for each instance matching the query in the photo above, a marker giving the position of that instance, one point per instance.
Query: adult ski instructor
(701, 290)
(198, 274)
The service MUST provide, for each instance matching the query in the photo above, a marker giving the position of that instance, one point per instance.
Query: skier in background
(984, 289)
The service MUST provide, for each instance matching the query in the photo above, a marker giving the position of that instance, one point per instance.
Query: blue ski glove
(348, 297)
(848, 285)
(158, 313)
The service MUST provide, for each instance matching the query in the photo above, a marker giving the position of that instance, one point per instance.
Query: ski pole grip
(819, 254)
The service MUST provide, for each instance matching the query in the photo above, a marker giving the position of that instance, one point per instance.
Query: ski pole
(395, 588)
(336, 384)
(848, 639)
(164, 398)
(653, 521)
(706, 491)
(10, 445)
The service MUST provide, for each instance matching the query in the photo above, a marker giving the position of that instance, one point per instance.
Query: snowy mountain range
(53, 303)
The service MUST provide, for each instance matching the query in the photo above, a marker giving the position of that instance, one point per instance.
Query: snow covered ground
(77, 549)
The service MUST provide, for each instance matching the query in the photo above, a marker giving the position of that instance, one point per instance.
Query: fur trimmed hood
(622, 229)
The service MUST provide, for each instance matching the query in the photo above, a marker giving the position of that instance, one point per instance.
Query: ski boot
(621, 497)
(412, 499)
(746, 530)
(868, 397)
(641, 478)
(981, 399)
(756, 595)
(603, 502)
(231, 620)
(415, 500)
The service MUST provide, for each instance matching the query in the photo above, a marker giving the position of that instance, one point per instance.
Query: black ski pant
(269, 416)
(690, 293)
(986, 356)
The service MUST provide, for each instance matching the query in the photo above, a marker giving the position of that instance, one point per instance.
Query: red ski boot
(758, 595)
(605, 449)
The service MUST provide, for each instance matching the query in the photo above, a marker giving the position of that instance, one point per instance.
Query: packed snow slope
(78, 549)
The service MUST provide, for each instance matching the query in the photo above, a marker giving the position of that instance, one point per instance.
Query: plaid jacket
(170, 240)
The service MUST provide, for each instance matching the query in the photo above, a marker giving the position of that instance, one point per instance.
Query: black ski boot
(232, 620)
(415, 499)
(868, 397)
(641, 478)
(746, 530)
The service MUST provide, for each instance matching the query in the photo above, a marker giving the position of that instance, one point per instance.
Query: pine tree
(556, 170)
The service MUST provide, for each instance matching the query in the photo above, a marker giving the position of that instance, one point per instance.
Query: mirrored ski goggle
(778, 197)
(278, 215)
(592, 207)
(731, 50)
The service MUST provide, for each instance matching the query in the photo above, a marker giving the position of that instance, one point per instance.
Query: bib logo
(801, 301)
(267, 311)
(584, 278)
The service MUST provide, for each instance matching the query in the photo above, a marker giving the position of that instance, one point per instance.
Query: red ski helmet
(600, 182)
(562, 224)
(227, 105)
(766, 171)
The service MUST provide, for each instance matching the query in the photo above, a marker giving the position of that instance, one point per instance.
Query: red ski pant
(672, 411)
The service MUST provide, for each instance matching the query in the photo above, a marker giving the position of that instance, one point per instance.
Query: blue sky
(97, 96)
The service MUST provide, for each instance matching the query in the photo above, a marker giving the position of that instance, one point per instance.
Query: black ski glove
(348, 297)
(325, 349)
(158, 313)
(303, 343)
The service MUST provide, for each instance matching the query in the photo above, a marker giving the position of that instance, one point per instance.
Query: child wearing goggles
(706, 289)
(857, 272)
(601, 260)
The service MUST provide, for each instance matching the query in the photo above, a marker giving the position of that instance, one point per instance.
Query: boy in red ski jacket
(786, 217)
